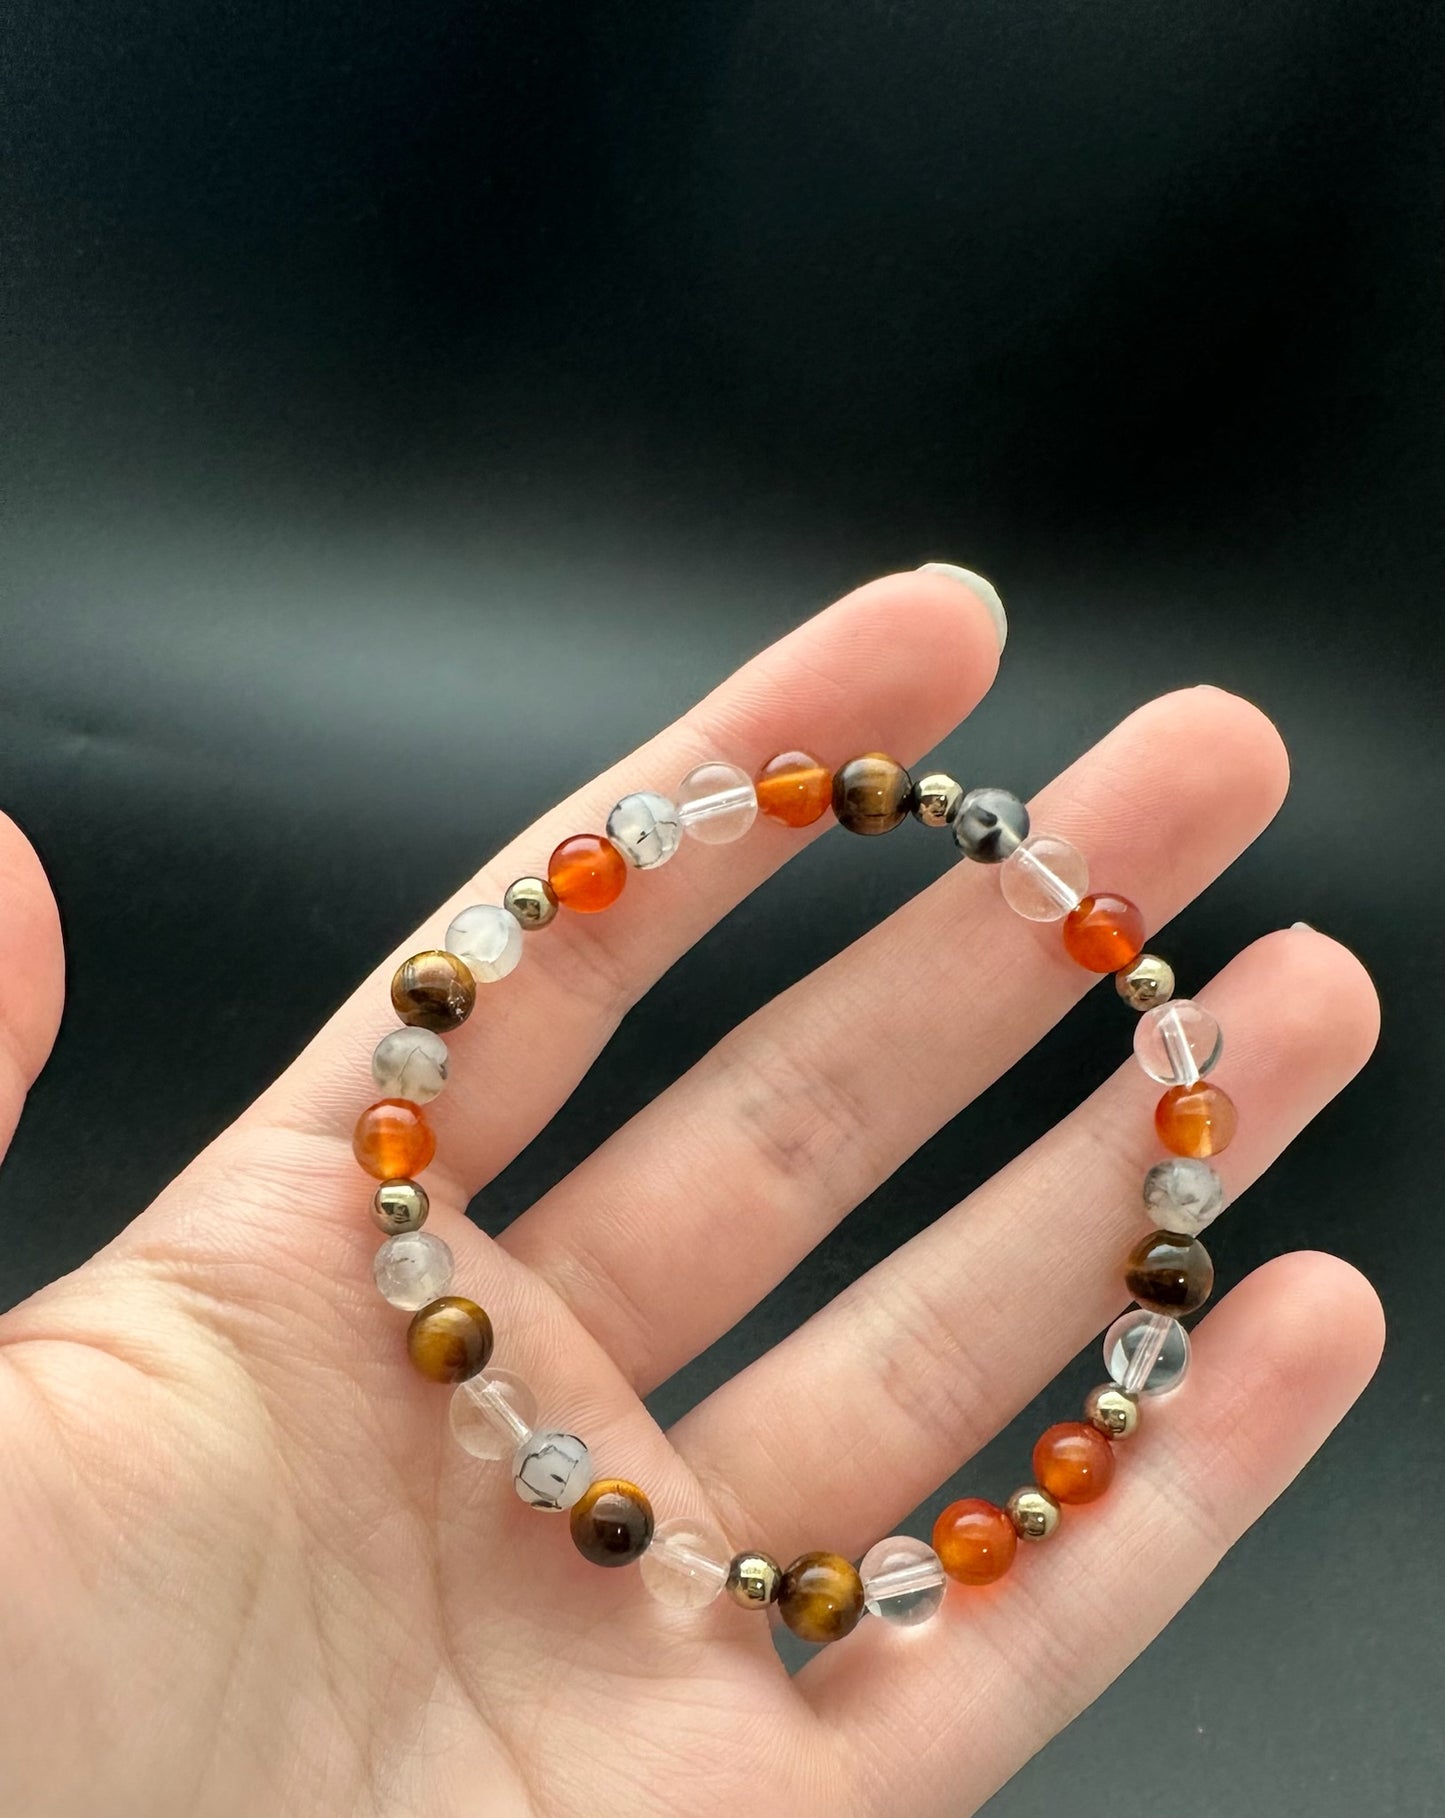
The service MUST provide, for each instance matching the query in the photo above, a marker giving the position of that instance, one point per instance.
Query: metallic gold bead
(399, 1205)
(1149, 981)
(532, 900)
(753, 1580)
(935, 799)
(1112, 1411)
(1034, 1513)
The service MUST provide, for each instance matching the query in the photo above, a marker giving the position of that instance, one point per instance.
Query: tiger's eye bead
(450, 1340)
(532, 900)
(587, 873)
(399, 1205)
(1034, 1513)
(1147, 983)
(990, 825)
(754, 1580)
(794, 788)
(433, 990)
(1198, 1120)
(410, 1064)
(870, 793)
(393, 1140)
(975, 1540)
(1170, 1273)
(1114, 1413)
(935, 799)
(1104, 934)
(611, 1522)
(821, 1597)
(1073, 1462)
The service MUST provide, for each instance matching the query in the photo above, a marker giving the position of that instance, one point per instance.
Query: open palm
(247, 1572)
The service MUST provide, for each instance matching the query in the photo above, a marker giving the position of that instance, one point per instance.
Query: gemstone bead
(794, 788)
(410, 1064)
(1177, 1043)
(975, 1540)
(393, 1140)
(935, 799)
(433, 990)
(871, 793)
(1073, 1462)
(399, 1205)
(1149, 981)
(412, 1268)
(645, 828)
(1146, 1353)
(990, 825)
(686, 1566)
(1183, 1194)
(903, 1582)
(587, 873)
(1169, 1273)
(1044, 878)
(488, 939)
(1105, 933)
(1034, 1513)
(1198, 1120)
(551, 1470)
(754, 1580)
(611, 1522)
(532, 900)
(821, 1597)
(450, 1340)
(492, 1414)
(1112, 1411)
(716, 803)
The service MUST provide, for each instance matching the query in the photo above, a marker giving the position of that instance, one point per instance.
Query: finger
(805, 1108)
(937, 1726)
(881, 1395)
(32, 973)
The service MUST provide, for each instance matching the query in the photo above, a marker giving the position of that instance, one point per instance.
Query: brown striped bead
(450, 1339)
(612, 1522)
(1170, 1273)
(871, 793)
(821, 1597)
(433, 990)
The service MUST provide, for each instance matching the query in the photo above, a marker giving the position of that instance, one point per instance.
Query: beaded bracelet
(684, 1562)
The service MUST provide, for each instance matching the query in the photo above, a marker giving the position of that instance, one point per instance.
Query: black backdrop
(400, 402)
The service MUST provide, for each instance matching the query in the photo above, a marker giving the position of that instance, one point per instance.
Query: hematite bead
(399, 1205)
(1035, 1514)
(990, 824)
(450, 1340)
(1149, 981)
(1170, 1273)
(935, 799)
(532, 900)
(753, 1580)
(821, 1597)
(612, 1522)
(870, 793)
(1114, 1413)
(433, 990)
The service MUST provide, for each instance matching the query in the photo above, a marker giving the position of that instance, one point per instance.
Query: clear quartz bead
(645, 828)
(412, 1268)
(488, 938)
(687, 1564)
(492, 1414)
(410, 1063)
(717, 803)
(1044, 878)
(903, 1580)
(1182, 1193)
(1146, 1353)
(1177, 1043)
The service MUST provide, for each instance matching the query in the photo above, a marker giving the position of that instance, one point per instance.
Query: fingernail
(1309, 925)
(985, 590)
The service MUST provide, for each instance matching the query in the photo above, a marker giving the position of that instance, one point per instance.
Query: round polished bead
(551, 1470)
(871, 793)
(1146, 1353)
(645, 828)
(1034, 1513)
(1104, 933)
(410, 1064)
(1149, 981)
(1178, 1043)
(587, 873)
(754, 1580)
(990, 825)
(903, 1582)
(412, 1268)
(935, 799)
(488, 938)
(687, 1564)
(794, 788)
(433, 990)
(1168, 1272)
(975, 1540)
(1182, 1193)
(1114, 1413)
(611, 1522)
(492, 1414)
(399, 1205)
(1198, 1120)
(1073, 1462)
(450, 1340)
(716, 803)
(532, 900)
(821, 1597)
(393, 1140)
(1044, 878)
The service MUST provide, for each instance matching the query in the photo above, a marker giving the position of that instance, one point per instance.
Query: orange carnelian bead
(975, 1541)
(1196, 1120)
(794, 788)
(392, 1140)
(1073, 1462)
(1104, 933)
(587, 873)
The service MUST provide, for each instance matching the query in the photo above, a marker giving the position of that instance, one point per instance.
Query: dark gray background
(408, 408)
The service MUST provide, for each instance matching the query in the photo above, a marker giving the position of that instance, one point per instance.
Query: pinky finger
(938, 1727)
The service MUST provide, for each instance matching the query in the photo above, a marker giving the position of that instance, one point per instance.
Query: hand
(248, 1573)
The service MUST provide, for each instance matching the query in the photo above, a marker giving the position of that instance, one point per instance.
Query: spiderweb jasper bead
(1196, 1120)
(487, 938)
(1182, 1193)
(611, 1522)
(717, 803)
(450, 1340)
(586, 873)
(1104, 933)
(645, 828)
(871, 793)
(492, 1414)
(989, 825)
(410, 1064)
(821, 1597)
(794, 788)
(975, 1540)
(1169, 1273)
(412, 1268)
(903, 1582)
(686, 1566)
(393, 1140)
(1073, 1462)
(1146, 1353)
(551, 1470)
(1044, 879)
